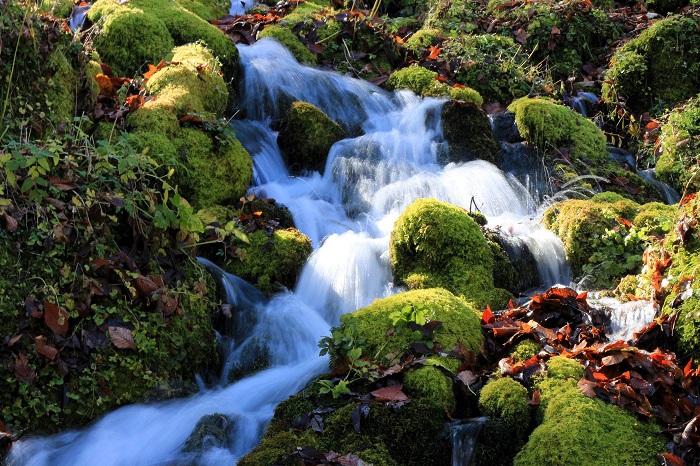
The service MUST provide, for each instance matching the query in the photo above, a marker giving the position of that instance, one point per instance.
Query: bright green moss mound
(289, 40)
(423, 82)
(460, 323)
(468, 131)
(577, 430)
(272, 261)
(525, 350)
(436, 244)
(552, 126)
(661, 66)
(678, 163)
(430, 383)
(306, 135)
(144, 31)
(563, 368)
(506, 399)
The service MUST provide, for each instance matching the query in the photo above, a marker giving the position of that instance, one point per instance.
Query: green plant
(618, 252)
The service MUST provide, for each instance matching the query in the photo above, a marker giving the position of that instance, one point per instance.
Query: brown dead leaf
(391, 393)
(43, 348)
(23, 372)
(56, 318)
(121, 337)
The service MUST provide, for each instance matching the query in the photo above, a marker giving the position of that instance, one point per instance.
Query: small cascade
(628, 318)
(257, 138)
(672, 197)
(77, 16)
(581, 102)
(464, 437)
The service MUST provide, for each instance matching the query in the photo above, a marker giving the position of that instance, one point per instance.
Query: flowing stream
(348, 212)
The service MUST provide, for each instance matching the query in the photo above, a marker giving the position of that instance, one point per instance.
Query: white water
(630, 317)
(464, 438)
(348, 213)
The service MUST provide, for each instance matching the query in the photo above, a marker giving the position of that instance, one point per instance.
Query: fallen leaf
(121, 337)
(23, 372)
(43, 348)
(56, 318)
(390, 393)
(434, 52)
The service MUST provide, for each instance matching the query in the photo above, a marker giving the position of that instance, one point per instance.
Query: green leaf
(27, 184)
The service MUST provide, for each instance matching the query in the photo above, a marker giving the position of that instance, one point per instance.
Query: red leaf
(487, 317)
(668, 459)
(625, 222)
(687, 199)
(24, 373)
(688, 369)
(391, 393)
(145, 285)
(121, 337)
(56, 318)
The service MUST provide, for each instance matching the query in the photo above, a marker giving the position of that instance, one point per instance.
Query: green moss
(192, 83)
(206, 9)
(210, 431)
(580, 224)
(289, 40)
(144, 31)
(306, 135)
(271, 448)
(655, 216)
(212, 175)
(560, 367)
(468, 131)
(661, 66)
(414, 78)
(59, 8)
(460, 323)
(577, 430)
(435, 244)
(506, 399)
(422, 39)
(493, 65)
(271, 261)
(525, 350)
(677, 164)
(430, 383)
(551, 126)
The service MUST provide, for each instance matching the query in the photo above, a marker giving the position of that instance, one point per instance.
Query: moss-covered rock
(210, 431)
(144, 31)
(306, 135)
(468, 131)
(271, 261)
(661, 66)
(679, 144)
(460, 324)
(435, 244)
(580, 430)
(550, 126)
(524, 350)
(429, 382)
(289, 40)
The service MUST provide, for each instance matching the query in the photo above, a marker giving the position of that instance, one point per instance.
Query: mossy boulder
(551, 126)
(140, 32)
(679, 144)
(460, 324)
(524, 350)
(423, 82)
(436, 244)
(429, 382)
(306, 135)
(468, 131)
(661, 66)
(579, 430)
(216, 169)
(211, 431)
(289, 40)
(271, 261)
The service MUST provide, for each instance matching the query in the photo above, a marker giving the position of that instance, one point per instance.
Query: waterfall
(389, 160)
(672, 197)
(464, 437)
(630, 317)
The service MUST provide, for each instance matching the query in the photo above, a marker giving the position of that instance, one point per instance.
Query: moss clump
(305, 137)
(272, 261)
(656, 217)
(289, 40)
(144, 31)
(468, 131)
(580, 224)
(579, 430)
(436, 244)
(421, 81)
(662, 65)
(525, 350)
(430, 383)
(678, 163)
(563, 368)
(275, 446)
(506, 399)
(460, 323)
(211, 431)
(422, 39)
(551, 126)
(206, 9)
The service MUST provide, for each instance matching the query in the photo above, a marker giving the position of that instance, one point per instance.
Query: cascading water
(464, 437)
(348, 212)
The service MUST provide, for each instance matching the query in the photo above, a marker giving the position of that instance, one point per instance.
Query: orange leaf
(105, 84)
(599, 377)
(145, 285)
(151, 71)
(391, 393)
(434, 52)
(625, 222)
(399, 40)
(487, 316)
(56, 318)
(688, 369)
